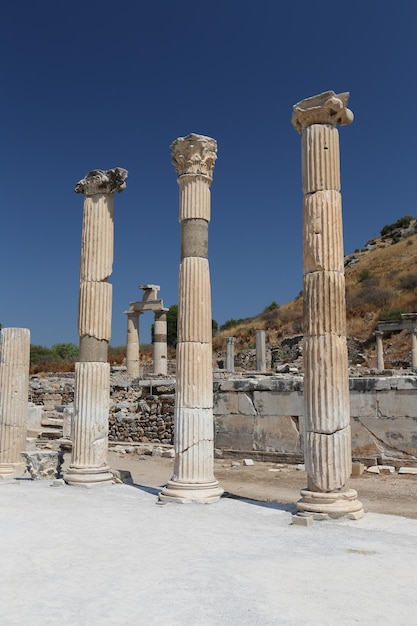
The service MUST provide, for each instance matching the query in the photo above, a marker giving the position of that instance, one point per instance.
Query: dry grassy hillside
(381, 283)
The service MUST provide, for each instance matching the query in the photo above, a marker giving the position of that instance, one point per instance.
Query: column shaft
(327, 437)
(193, 479)
(230, 354)
(14, 388)
(260, 351)
(92, 374)
(160, 355)
(132, 345)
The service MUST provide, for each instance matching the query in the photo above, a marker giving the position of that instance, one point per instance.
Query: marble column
(327, 437)
(414, 349)
(193, 479)
(380, 366)
(230, 354)
(92, 373)
(14, 390)
(160, 350)
(132, 344)
(260, 351)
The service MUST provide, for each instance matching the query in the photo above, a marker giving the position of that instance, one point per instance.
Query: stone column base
(10, 470)
(187, 493)
(332, 505)
(88, 476)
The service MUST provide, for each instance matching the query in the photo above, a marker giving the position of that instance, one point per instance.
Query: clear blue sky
(95, 85)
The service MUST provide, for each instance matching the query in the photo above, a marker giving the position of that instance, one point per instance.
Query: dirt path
(391, 494)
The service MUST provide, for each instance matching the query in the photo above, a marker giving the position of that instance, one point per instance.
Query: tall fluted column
(327, 440)
(379, 350)
(14, 389)
(160, 354)
(193, 480)
(230, 354)
(132, 343)
(92, 373)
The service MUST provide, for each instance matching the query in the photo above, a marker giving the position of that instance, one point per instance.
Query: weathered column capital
(325, 108)
(102, 181)
(194, 155)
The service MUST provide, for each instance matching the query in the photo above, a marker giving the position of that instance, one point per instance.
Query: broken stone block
(302, 520)
(407, 470)
(248, 462)
(374, 469)
(358, 469)
(44, 464)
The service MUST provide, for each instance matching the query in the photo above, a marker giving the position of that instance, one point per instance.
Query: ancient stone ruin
(150, 302)
(92, 373)
(193, 479)
(327, 438)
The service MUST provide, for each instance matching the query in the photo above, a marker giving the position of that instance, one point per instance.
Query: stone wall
(263, 415)
(140, 410)
(260, 415)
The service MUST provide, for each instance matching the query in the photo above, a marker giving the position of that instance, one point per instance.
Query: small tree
(65, 351)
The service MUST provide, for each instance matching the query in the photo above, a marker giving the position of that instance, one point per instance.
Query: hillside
(381, 283)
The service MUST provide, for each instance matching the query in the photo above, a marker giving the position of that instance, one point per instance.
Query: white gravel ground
(112, 556)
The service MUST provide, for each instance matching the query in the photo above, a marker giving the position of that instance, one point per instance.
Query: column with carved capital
(193, 480)
(327, 438)
(14, 389)
(92, 373)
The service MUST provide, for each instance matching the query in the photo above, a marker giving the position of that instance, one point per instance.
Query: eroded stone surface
(44, 464)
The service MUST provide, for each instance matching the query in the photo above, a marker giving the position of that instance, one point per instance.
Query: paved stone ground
(113, 556)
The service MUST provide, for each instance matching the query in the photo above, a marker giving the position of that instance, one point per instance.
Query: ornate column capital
(194, 155)
(325, 108)
(102, 181)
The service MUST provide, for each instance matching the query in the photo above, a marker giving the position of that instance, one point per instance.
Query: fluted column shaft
(327, 439)
(193, 479)
(92, 373)
(14, 389)
(132, 344)
(160, 355)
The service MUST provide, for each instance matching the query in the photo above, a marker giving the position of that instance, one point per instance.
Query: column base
(10, 470)
(88, 476)
(188, 493)
(332, 505)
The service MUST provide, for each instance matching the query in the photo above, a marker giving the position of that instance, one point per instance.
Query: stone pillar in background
(260, 351)
(327, 437)
(230, 354)
(414, 349)
(160, 351)
(379, 351)
(132, 344)
(14, 390)
(193, 480)
(92, 374)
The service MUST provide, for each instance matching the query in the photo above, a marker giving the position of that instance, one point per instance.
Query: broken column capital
(102, 181)
(194, 155)
(325, 108)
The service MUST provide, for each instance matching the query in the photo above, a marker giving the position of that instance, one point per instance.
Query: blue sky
(95, 85)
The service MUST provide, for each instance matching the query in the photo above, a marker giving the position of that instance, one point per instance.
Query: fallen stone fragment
(302, 520)
(358, 469)
(408, 470)
(301, 467)
(235, 464)
(374, 469)
(386, 469)
(248, 462)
